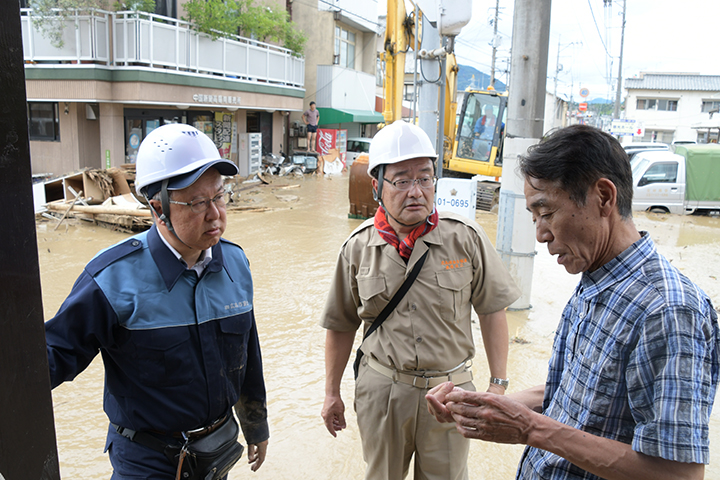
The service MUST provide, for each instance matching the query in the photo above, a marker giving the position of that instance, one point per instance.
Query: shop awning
(331, 116)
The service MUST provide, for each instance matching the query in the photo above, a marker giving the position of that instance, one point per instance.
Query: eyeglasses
(407, 184)
(199, 205)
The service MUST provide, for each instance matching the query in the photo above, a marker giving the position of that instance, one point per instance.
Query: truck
(684, 180)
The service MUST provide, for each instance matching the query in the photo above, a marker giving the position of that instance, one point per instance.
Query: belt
(198, 432)
(424, 380)
(149, 438)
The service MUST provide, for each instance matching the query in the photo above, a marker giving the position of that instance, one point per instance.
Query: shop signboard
(626, 127)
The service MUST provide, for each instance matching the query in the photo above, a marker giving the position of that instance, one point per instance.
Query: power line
(598, 29)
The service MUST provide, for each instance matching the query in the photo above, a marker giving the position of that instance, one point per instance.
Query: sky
(660, 36)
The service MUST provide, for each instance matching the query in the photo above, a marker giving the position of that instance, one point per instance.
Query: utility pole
(494, 43)
(616, 112)
(558, 68)
(27, 431)
(526, 110)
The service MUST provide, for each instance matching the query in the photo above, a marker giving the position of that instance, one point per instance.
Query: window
(344, 48)
(667, 105)
(708, 106)
(645, 104)
(408, 92)
(661, 104)
(660, 173)
(43, 122)
(167, 8)
(662, 136)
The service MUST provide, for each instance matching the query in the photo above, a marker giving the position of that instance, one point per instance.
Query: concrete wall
(89, 139)
(112, 132)
(61, 156)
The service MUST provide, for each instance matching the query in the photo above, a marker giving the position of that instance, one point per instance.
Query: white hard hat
(179, 152)
(397, 142)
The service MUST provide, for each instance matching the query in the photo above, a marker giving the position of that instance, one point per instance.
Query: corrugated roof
(666, 81)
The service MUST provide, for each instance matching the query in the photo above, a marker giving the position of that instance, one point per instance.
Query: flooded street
(292, 250)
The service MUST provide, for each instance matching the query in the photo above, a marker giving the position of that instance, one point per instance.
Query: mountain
(600, 100)
(480, 82)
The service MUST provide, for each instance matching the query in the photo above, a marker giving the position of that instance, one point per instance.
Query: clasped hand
(484, 416)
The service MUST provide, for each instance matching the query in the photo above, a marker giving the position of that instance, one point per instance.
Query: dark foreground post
(27, 431)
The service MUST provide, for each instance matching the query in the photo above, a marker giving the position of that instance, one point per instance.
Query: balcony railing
(132, 39)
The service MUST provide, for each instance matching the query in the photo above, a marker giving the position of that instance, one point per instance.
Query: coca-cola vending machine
(332, 139)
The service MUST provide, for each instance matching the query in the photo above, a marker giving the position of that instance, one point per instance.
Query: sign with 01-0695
(457, 195)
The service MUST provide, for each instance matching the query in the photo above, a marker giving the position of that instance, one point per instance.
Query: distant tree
(220, 18)
(50, 16)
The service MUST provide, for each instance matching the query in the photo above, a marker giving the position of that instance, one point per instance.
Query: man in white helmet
(426, 339)
(171, 312)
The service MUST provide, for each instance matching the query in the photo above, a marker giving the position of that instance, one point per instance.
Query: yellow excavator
(473, 139)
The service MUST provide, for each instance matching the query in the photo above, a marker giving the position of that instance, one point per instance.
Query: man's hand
(333, 414)
(256, 455)
(437, 398)
(490, 417)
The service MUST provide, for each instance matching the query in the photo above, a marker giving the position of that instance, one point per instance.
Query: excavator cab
(477, 148)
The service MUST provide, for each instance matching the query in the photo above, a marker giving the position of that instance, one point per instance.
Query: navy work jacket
(179, 351)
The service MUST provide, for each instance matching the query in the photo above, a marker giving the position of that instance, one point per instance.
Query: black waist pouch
(210, 457)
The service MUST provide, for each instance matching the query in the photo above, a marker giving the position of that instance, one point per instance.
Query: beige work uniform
(430, 330)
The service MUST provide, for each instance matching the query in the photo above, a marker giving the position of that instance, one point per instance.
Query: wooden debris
(99, 209)
(78, 195)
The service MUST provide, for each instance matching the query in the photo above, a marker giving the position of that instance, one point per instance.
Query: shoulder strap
(390, 307)
(398, 296)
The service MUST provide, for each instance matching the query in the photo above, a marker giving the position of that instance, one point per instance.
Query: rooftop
(674, 81)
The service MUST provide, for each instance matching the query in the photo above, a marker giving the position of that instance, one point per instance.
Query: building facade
(340, 62)
(119, 75)
(674, 106)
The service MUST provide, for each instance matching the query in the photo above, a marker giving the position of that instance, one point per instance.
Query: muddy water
(292, 249)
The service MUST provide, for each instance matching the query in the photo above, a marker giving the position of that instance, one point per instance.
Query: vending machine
(332, 139)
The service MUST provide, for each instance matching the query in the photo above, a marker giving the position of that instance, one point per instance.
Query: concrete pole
(494, 45)
(526, 110)
(616, 112)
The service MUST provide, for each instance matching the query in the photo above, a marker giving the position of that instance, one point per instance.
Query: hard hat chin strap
(165, 216)
(377, 194)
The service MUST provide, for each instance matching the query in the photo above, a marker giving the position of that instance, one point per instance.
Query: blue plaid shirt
(635, 359)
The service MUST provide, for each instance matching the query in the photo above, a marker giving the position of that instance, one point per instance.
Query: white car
(355, 147)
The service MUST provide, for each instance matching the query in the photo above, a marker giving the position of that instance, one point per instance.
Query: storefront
(101, 124)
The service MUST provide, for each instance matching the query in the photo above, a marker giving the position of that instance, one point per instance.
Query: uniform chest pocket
(370, 291)
(234, 339)
(163, 356)
(454, 293)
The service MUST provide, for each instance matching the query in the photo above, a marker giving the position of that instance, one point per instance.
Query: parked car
(356, 146)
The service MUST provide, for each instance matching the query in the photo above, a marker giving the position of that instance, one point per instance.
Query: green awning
(331, 116)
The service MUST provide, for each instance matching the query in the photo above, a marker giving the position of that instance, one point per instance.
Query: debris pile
(103, 197)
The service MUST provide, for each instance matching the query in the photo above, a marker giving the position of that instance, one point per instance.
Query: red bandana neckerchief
(405, 247)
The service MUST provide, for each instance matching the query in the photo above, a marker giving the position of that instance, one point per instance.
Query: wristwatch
(503, 382)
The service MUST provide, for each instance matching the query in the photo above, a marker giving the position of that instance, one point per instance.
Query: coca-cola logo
(325, 141)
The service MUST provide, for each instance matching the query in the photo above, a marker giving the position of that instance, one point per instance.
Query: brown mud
(292, 238)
